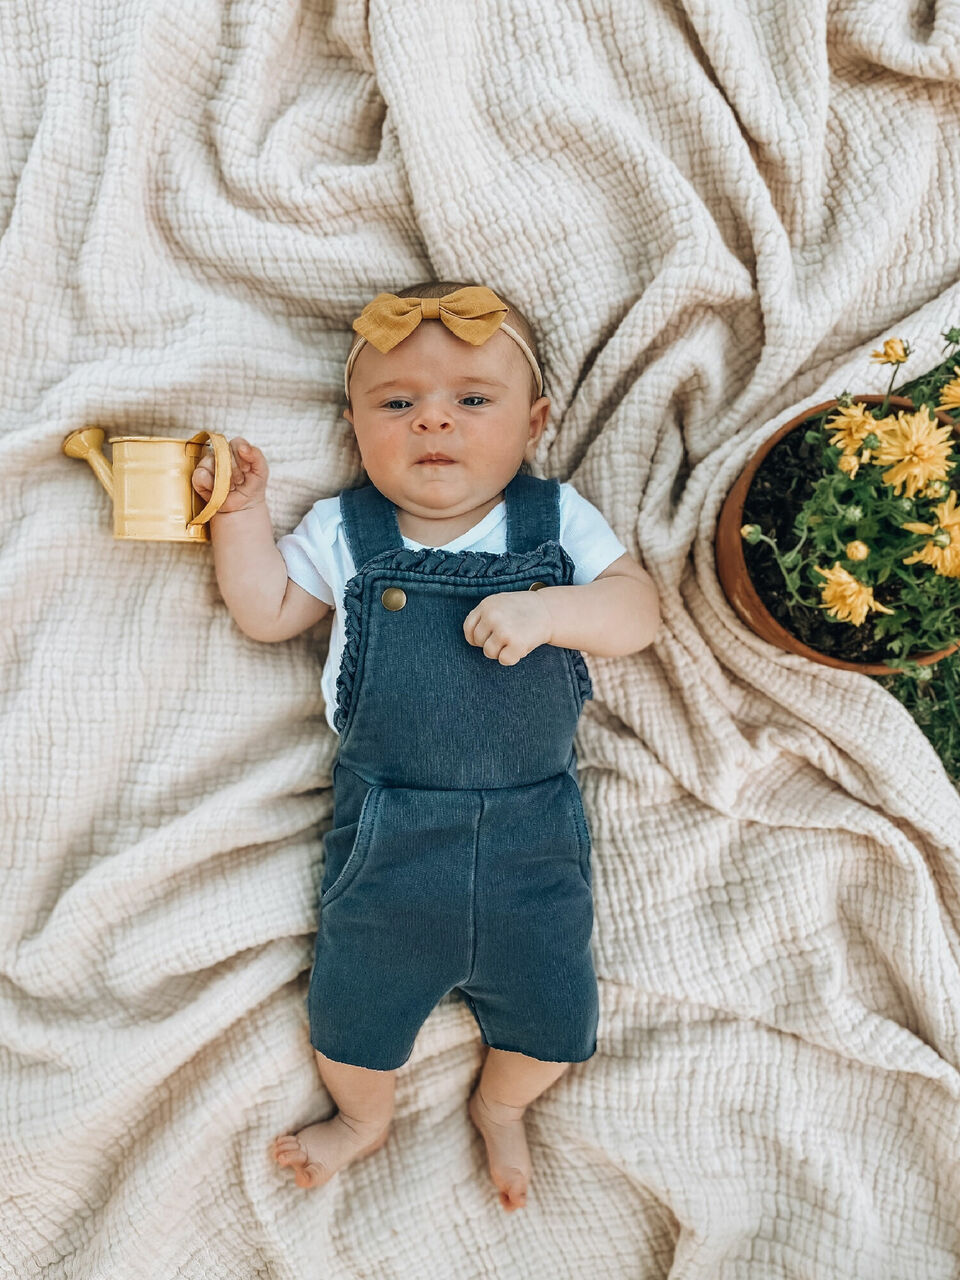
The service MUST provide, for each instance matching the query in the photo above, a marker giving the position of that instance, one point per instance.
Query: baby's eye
(398, 402)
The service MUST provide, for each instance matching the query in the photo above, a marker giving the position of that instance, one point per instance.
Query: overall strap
(370, 523)
(533, 512)
(533, 517)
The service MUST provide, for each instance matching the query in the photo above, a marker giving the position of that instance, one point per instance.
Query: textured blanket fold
(711, 213)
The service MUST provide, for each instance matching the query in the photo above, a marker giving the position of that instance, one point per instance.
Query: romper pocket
(361, 844)
(580, 825)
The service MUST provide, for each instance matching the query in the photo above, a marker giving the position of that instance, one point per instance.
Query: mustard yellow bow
(472, 314)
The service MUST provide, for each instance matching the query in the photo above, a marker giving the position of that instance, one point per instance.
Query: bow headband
(472, 314)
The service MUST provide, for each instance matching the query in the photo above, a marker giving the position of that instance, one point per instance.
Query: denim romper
(459, 855)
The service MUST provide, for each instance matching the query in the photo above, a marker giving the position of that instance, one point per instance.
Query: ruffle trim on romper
(464, 564)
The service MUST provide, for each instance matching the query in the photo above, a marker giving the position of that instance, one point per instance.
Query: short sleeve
(308, 553)
(586, 537)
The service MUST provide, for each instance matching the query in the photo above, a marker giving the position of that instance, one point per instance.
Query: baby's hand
(508, 625)
(248, 478)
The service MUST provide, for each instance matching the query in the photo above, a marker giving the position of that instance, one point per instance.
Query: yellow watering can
(149, 482)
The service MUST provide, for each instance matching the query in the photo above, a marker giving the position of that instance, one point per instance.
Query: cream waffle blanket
(712, 210)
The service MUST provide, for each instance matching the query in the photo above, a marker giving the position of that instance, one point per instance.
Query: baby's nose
(434, 416)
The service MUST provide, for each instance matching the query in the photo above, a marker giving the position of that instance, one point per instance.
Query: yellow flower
(950, 394)
(847, 599)
(917, 446)
(948, 517)
(857, 550)
(945, 560)
(850, 463)
(894, 352)
(852, 424)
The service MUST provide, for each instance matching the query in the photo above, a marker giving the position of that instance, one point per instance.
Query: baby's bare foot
(505, 1134)
(317, 1152)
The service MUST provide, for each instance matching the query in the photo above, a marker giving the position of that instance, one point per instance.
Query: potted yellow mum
(840, 540)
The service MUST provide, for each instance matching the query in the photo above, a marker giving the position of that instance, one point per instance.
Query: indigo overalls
(459, 855)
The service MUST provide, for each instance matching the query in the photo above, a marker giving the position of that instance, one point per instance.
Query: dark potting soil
(783, 483)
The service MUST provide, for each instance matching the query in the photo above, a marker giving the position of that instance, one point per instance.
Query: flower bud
(750, 532)
(848, 463)
(871, 441)
(856, 551)
(936, 489)
(941, 538)
(853, 513)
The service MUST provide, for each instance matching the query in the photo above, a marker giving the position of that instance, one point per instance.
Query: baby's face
(434, 393)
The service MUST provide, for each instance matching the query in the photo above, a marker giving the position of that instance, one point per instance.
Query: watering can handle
(223, 469)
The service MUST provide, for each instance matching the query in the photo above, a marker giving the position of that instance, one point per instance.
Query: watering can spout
(86, 443)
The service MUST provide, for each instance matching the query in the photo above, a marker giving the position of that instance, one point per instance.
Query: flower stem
(792, 591)
(886, 400)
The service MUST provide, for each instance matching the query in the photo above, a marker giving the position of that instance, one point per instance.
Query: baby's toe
(287, 1150)
(513, 1190)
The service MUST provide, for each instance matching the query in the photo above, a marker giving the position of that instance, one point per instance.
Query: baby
(464, 589)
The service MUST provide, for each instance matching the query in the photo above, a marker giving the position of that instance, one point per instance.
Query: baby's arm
(615, 615)
(251, 573)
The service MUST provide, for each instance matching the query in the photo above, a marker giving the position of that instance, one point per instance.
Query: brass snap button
(535, 586)
(393, 598)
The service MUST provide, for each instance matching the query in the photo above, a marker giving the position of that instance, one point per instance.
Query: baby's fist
(248, 476)
(508, 625)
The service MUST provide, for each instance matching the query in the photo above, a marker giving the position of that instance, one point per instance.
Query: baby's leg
(508, 1084)
(364, 1100)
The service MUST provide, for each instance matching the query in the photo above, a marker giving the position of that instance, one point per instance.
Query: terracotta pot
(732, 568)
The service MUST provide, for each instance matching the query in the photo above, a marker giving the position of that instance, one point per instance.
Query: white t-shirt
(318, 558)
